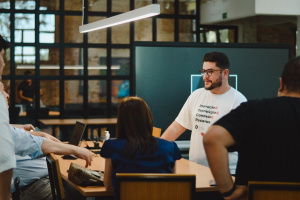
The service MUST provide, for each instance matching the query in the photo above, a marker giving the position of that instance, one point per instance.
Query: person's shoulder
(163, 142)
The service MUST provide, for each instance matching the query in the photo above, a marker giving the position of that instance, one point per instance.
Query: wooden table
(56, 123)
(62, 122)
(51, 113)
(183, 166)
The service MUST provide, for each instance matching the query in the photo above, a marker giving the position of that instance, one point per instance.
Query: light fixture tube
(140, 13)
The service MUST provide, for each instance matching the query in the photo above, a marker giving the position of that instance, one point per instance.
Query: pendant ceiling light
(133, 15)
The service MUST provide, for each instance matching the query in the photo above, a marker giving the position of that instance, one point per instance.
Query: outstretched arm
(216, 141)
(43, 134)
(50, 146)
(173, 131)
(26, 127)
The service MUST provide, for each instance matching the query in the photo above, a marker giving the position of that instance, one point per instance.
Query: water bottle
(107, 135)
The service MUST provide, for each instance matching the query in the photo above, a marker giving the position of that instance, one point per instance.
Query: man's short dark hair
(27, 73)
(4, 44)
(290, 75)
(219, 58)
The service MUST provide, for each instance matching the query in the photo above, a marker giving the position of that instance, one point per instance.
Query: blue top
(161, 162)
(30, 165)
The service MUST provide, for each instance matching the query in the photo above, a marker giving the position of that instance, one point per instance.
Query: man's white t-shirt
(199, 112)
(7, 153)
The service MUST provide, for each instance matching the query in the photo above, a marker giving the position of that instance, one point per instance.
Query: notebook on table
(76, 137)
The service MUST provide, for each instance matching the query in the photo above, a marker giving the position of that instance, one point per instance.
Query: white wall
(277, 7)
(212, 10)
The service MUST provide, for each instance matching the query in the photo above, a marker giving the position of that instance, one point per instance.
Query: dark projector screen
(167, 73)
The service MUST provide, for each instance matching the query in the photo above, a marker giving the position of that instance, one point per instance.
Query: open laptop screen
(77, 133)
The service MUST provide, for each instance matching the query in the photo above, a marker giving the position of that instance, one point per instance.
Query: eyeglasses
(209, 72)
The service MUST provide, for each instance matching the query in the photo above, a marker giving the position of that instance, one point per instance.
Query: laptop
(76, 138)
(77, 133)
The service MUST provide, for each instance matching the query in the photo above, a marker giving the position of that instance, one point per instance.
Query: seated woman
(135, 150)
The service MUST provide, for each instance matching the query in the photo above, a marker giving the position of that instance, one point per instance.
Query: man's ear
(281, 87)
(226, 72)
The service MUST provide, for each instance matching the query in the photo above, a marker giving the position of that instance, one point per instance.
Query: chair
(55, 177)
(273, 190)
(16, 194)
(156, 132)
(155, 186)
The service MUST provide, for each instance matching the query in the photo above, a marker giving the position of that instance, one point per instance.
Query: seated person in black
(26, 90)
(135, 150)
(266, 134)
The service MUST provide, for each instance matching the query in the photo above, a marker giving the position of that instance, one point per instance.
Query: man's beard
(217, 84)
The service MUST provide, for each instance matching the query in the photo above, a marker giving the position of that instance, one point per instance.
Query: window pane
(75, 5)
(186, 31)
(99, 36)
(120, 62)
(49, 5)
(5, 4)
(167, 7)
(73, 61)
(25, 59)
(211, 36)
(97, 61)
(50, 94)
(141, 3)
(49, 61)
(27, 5)
(72, 34)
(187, 7)
(97, 98)
(99, 6)
(165, 30)
(24, 21)
(224, 35)
(143, 30)
(120, 34)
(47, 23)
(28, 36)
(5, 25)
(120, 5)
(47, 37)
(120, 89)
(73, 97)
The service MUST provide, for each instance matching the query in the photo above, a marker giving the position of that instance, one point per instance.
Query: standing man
(7, 154)
(266, 133)
(206, 105)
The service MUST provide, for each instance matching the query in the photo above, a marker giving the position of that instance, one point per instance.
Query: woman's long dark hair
(135, 124)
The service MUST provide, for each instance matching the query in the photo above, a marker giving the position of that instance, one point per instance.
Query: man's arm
(43, 134)
(216, 141)
(26, 127)
(173, 131)
(49, 146)
(23, 97)
(5, 182)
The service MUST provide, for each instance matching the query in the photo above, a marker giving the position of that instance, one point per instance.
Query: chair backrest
(55, 177)
(156, 132)
(259, 190)
(155, 186)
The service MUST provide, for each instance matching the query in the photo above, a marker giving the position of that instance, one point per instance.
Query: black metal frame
(62, 13)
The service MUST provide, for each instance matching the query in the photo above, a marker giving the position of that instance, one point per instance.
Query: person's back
(266, 133)
(135, 150)
(162, 161)
(269, 146)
